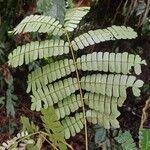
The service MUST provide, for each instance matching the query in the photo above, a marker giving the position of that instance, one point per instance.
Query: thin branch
(80, 89)
(144, 113)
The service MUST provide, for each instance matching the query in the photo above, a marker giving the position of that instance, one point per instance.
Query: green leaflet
(111, 85)
(28, 126)
(144, 142)
(106, 91)
(47, 24)
(126, 141)
(39, 23)
(73, 125)
(105, 61)
(74, 16)
(32, 147)
(30, 52)
(37, 50)
(104, 109)
(103, 119)
(102, 103)
(90, 62)
(101, 35)
(68, 105)
(53, 127)
(49, 73)
(53, 93)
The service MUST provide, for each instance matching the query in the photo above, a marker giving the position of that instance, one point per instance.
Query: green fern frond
(53, 127)
(102, 103)
(74, 16)
(126, 141)
(97, 101)
(39, 49)
(49, 73)
(144, 139)
(18, 142)
(53, 93)
(28, 126)
(58, 96)
(112, 62)
(39, 23)
(115, 63)
(103, 119)
(68, 105)
(111, 85)
(104, 109)
(73, 125)
(101, 35)
(47, 24)
(34, 50)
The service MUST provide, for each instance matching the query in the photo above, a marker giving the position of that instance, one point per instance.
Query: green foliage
(115, 63)
(52, 130)
(100, 135)
(7, 96)
(73, 125)
(51, 94)
(111, 85)
(49, 73)
(34, 50)
(10, 98)
(2, 100)
(7, 13)
(19, 142)
(39, 23)
(74, 16)
(146, 28)
(28, 126)
(103, 110)
(54, 85)
(126, 141)
(144, 141)
(44, 6)
(53, 127)
(53, 8)
(102, 139)
(102, 35)
(47, 24)
(69, 105)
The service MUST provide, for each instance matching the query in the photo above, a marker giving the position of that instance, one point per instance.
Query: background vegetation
(15, 102)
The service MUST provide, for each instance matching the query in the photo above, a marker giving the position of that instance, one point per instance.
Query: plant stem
(35, 133)
(49, 142)
(80, 90)
(46, 134)
(144, 112)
